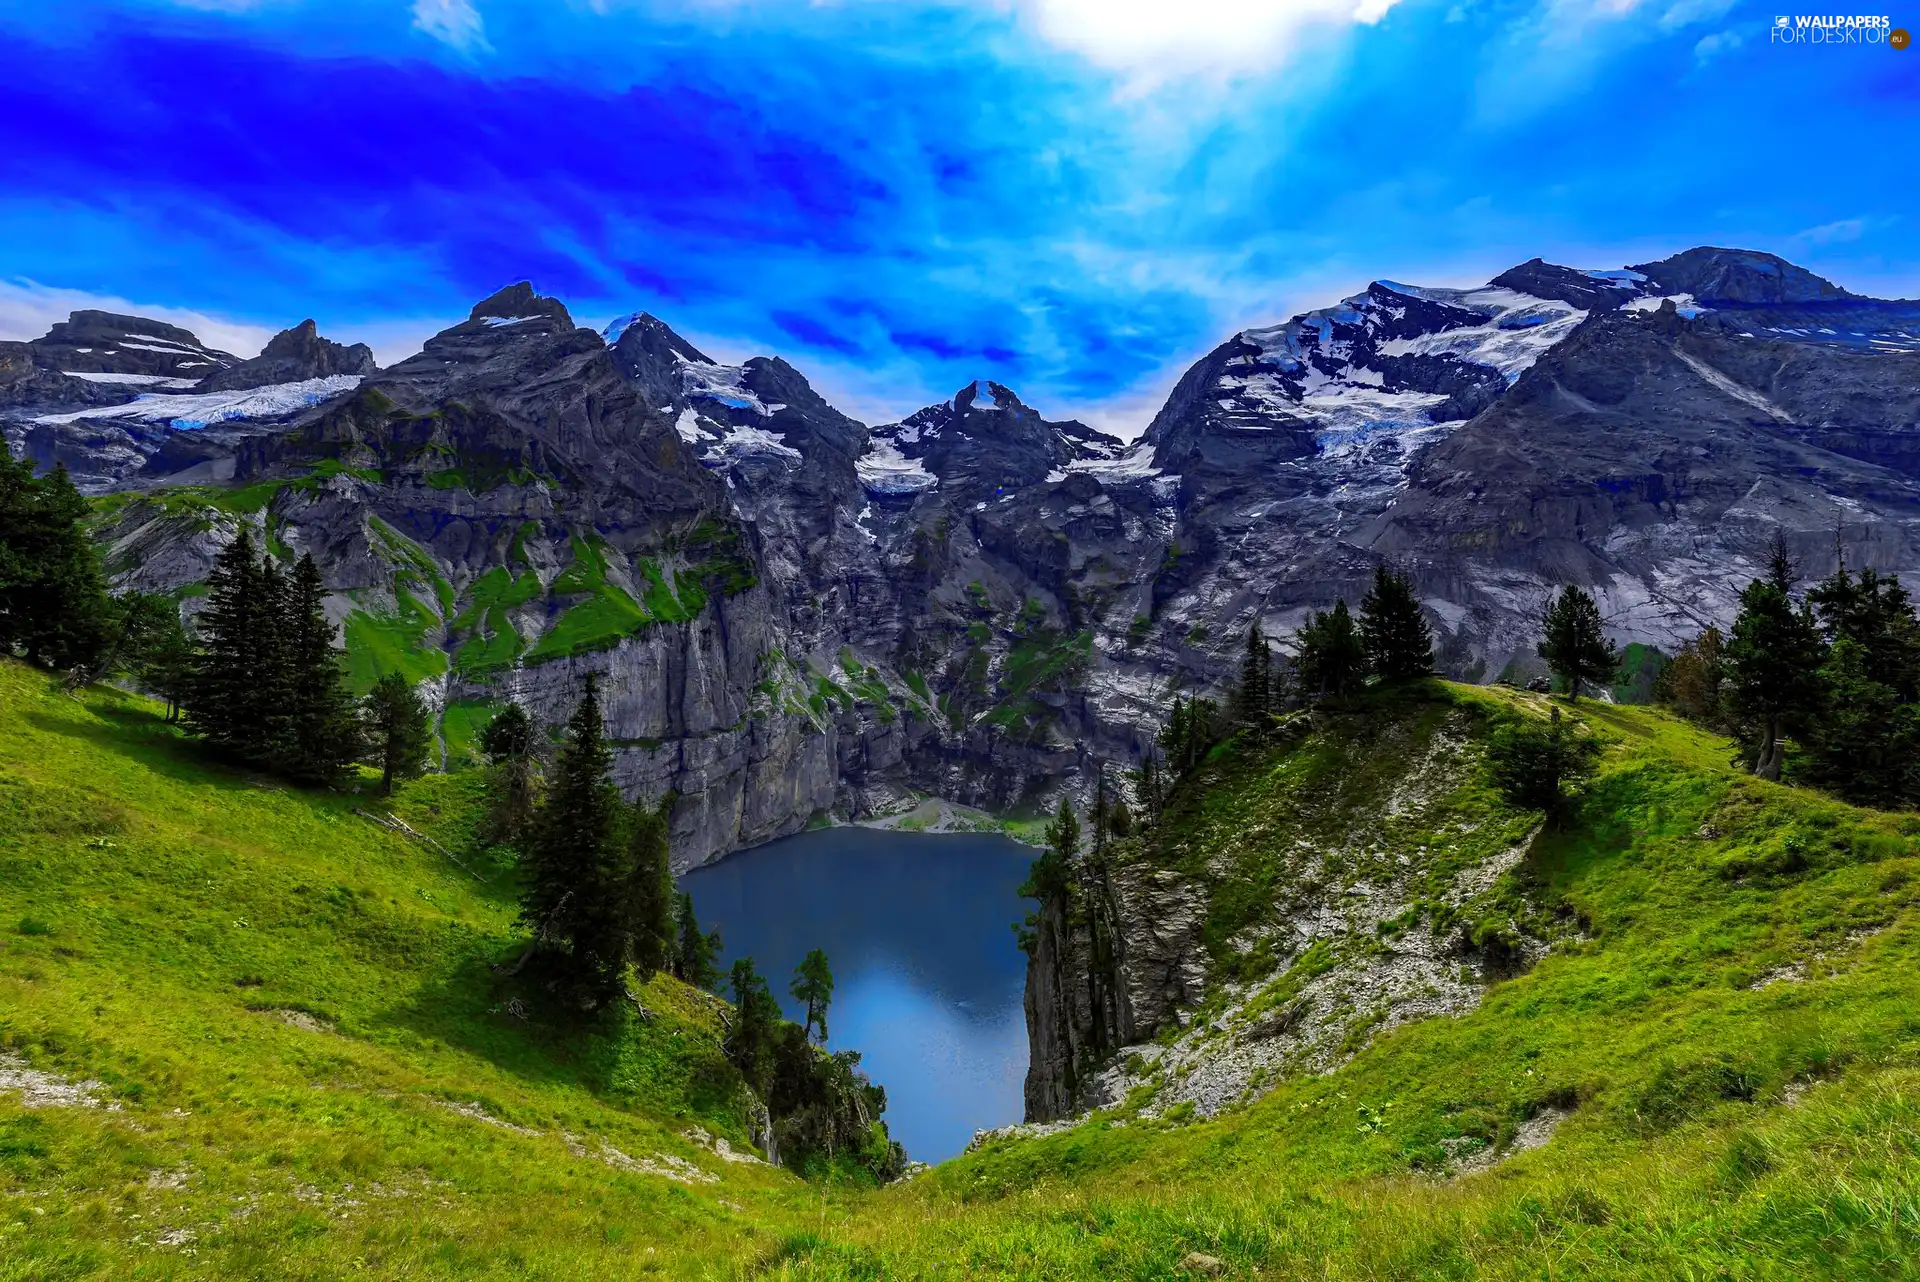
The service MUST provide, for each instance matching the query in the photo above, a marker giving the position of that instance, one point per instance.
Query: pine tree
(696, 956)
(323, 738)
(1863, 738)
(651, 894)
(53, 602)
(1333, 659)
(1876, 615)
(1393, 629)
(812, 987)
(224, 698)
(1773, 660)
(1253, 696)
(574, 897)
(167, 665)
(1537, 766)
(396, 729)
(756, 1023)
(509, 742)
(1863, 741)
(1574, 646)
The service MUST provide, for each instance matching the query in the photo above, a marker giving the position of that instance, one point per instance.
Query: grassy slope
(1718, 1128)
(155, 915)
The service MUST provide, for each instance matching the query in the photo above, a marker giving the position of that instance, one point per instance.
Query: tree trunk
(1767, 765)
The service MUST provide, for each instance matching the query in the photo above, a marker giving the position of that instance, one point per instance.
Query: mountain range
(796, 613)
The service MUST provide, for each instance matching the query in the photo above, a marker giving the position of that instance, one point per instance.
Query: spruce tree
(1253, 696)
(167, 665)
(224, 698)
(651, 891)
(53, 601)
(1877, 616)
(1574, 646)
(1333, 659)
(396, 729)
(756, 1024)
(1862, 741)
(323, 734)
(696, 955)
(1537, 766)
(274, 744)
(1393, 629)
(508, 742)
(575, 896)
(812, 987)
(1773, 657)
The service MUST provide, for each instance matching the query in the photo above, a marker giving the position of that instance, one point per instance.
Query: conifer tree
(224, 698)
(1253, 695)
(1333, 659)
(696, 956)
(1538, 766)
(1393, 629)
(574, 900)
(1773, 661)
(651, 893)
(396, 729)
(755, 1027)
(323, 734)
(1876, 615)
(1574, 646)
(275, 742)
(812, 987)
(167, 665)
(53, 602)
(508, 743)
(1863, 738)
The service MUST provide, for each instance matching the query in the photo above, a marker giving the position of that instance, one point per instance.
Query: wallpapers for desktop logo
(1838, 29)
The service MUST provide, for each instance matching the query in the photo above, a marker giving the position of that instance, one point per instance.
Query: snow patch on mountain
(131, 380)
(1517, 330)
(200, 409)
(883, 469)
(722, 385)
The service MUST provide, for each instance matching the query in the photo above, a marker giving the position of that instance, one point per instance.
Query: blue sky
(1075, 197)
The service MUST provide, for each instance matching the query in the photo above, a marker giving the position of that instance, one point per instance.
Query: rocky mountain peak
(518, 302)
(1740, 276)
(1587, 290)
(292, 356)
(647, 331)
(126, 348)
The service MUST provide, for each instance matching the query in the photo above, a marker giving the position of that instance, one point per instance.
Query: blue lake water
(928, 975)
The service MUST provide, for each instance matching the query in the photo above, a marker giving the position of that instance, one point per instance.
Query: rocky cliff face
(803, 613)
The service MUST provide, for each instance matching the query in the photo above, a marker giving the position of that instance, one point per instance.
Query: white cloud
(1714, 44)
(28, 309)
(453, 22)
(1833, 233)
(1175, 35)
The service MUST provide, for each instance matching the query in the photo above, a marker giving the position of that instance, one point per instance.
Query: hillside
(257, 1037)
(250, 1034)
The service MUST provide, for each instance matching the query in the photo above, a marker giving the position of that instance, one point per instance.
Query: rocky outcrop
(291, 356)
(1357, 900)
